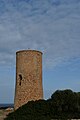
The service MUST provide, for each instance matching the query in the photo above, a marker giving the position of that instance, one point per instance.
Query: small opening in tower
(20, 78)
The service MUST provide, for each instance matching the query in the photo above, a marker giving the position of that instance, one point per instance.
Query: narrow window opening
(20, 79)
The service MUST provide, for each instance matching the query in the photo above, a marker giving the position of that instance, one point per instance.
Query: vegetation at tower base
(63, 104)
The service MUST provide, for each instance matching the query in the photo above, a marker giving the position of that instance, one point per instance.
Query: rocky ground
(4, 113)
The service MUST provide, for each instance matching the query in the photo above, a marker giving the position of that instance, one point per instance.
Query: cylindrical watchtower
(28, 77)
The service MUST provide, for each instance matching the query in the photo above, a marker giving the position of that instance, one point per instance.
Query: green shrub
(63, 104)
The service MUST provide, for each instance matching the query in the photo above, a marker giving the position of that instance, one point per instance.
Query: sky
(51, 26)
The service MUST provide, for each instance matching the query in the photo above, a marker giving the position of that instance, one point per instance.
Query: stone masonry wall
(28, 77)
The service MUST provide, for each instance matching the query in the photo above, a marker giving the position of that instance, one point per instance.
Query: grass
(1, 112)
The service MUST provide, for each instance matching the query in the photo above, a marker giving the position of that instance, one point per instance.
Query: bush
(63, 104)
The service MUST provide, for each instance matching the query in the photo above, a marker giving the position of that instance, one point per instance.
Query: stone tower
(28, 77)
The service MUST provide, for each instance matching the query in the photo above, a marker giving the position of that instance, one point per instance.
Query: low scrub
(63, 104)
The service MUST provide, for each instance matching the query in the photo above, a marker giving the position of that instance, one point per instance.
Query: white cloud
(50, 26)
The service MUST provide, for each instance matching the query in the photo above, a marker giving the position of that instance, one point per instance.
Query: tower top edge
(28, 51)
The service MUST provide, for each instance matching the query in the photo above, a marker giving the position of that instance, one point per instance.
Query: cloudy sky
(51, 26)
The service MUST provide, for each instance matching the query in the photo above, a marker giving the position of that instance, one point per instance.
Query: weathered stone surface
(28, 77)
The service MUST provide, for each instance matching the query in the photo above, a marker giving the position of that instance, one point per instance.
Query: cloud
(50, 26)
